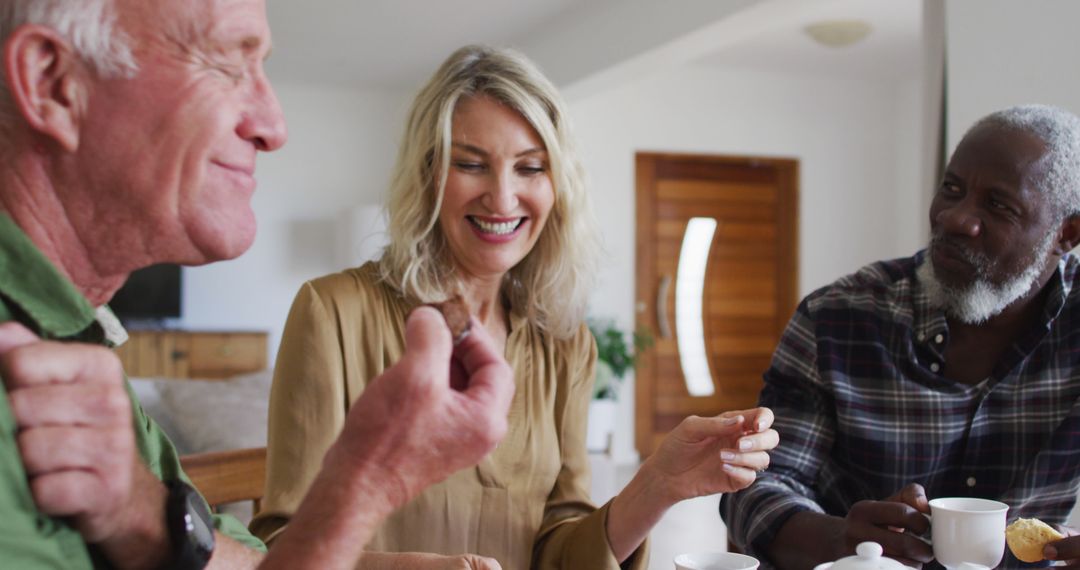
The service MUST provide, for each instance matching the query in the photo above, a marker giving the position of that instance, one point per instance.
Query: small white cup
(968, 530)
(715, 561)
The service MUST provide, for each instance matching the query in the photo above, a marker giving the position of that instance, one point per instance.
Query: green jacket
(35, 293)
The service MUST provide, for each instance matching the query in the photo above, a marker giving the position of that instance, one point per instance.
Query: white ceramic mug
(715, 561)
(965, 529)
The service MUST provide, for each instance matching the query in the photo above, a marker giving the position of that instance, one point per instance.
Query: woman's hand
(701, 456)
(721, 454)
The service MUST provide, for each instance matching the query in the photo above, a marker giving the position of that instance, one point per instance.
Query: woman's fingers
(753, 423)
(762, 441)
(754, 461)
(758, 419)
(738, 478)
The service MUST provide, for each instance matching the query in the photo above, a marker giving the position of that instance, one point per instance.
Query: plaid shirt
(862, 410)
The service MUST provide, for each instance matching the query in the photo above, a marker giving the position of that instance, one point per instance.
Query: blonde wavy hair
(551, 284)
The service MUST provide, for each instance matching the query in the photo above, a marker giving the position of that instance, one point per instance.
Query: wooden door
(749, 290)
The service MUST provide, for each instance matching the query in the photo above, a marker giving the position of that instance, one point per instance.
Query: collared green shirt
(35, 293)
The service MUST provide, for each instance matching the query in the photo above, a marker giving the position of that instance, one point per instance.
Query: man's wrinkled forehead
(1011, 150)
(192, 23)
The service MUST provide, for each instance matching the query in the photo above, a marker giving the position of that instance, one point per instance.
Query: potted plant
(615, 356)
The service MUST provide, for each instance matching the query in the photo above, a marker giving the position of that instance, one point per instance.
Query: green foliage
(615, 354)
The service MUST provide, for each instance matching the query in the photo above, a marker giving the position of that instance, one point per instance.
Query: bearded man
(955, 372)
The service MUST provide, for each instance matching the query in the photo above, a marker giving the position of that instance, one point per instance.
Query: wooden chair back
(228, 476)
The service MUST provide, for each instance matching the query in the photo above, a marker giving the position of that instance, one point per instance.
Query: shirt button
(970, 481)
(935, 367)
(922, 337)
(939, 338)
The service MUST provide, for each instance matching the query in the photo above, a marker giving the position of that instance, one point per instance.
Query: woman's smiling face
(498, 189)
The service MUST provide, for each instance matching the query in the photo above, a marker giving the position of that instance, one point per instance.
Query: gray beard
(982, 299)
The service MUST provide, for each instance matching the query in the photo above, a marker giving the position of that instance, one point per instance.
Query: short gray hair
(90, 27)
(1060, 131)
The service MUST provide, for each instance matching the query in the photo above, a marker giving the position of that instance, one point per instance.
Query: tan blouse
(526, 504)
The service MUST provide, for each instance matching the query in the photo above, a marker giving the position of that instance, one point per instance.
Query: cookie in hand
(456, 313)
(1028, 537)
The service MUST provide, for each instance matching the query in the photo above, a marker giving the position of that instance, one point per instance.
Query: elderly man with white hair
(129, 131)
(955, 372)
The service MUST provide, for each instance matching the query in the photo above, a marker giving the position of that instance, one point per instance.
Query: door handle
(661, 307)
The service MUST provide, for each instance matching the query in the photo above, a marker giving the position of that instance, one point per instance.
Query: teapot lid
(868, 556)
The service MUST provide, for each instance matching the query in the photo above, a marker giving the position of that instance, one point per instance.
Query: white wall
(341, 147)
(857, 143)
(1003, 53)
(932, 82)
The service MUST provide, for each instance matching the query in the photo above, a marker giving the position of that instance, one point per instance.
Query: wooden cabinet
(192, 354)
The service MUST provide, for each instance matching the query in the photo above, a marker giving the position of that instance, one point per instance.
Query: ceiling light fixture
(838, 33)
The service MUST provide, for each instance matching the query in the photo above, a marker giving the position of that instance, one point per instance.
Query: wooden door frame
(645, 253)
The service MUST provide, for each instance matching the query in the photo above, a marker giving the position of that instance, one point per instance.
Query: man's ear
(1069, 235)
(47, 81)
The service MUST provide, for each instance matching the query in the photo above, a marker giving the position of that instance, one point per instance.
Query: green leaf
(616, 353)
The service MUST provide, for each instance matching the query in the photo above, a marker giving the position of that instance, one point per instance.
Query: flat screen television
(151, 293)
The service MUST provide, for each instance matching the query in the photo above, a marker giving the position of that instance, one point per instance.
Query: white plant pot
(601, 425)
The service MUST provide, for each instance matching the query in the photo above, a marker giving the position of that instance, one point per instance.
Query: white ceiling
(891, 50)
(392, 43)
(395, 44)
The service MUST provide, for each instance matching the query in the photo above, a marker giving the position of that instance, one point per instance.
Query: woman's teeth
(499, 228)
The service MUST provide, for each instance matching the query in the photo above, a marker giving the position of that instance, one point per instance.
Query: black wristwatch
(191, 530)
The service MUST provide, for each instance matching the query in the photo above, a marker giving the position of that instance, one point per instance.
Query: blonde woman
(488, 200)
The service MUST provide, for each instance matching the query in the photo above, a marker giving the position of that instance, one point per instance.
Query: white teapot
(867, 557)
